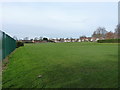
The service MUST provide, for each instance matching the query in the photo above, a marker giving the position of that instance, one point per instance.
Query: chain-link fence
(7, 45)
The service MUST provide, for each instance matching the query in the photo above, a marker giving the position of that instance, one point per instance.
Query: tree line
(100, 32)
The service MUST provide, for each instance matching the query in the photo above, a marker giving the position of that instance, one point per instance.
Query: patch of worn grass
(63, 65)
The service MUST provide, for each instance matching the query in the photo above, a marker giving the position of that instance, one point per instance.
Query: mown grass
(63, 65)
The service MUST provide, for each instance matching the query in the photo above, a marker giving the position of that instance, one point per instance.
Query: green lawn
(63, 65)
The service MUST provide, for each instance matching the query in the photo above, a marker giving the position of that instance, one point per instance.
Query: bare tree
(26, 38)
(71, 39)
(36, 38)
(117, 31)
(15, 38)
(41, 38)
(82, 38)
(99, 32)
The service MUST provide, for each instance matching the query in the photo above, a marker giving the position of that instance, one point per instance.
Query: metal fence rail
(7, 45)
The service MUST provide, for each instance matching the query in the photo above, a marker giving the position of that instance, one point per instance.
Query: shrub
(51, 41)
(19, 44)
(45, 39)
(109, 41)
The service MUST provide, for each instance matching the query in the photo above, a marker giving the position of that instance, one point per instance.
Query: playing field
(63, 65)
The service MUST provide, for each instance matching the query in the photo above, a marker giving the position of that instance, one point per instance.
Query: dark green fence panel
(1, 35)
(8, 45)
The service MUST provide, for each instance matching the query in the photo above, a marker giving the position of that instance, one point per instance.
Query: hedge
(109, 41)
(19, 44)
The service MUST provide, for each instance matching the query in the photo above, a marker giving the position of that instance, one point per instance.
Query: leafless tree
(15, 38)
(82, 38)
(41, 38)
(36, 38)
(117, 31)
(99, 32)
(26, 38)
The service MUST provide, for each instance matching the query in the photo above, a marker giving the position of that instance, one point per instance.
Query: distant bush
(28, 42)
(109, 41)
(19, 44)
(45, 39)
(51, 41)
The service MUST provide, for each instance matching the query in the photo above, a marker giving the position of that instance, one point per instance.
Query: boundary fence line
(7, 45)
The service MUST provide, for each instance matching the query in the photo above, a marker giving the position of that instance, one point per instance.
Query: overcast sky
(60, 19)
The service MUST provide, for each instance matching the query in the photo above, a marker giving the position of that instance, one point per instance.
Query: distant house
(78, 40)
(66, 40)
(85, 39)
(95, 39)
(58, 40)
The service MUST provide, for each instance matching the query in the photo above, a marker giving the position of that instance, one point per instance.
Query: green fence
(1, 34)
(7, 45)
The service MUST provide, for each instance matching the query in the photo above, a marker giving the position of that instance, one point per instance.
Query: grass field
(63, 65)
